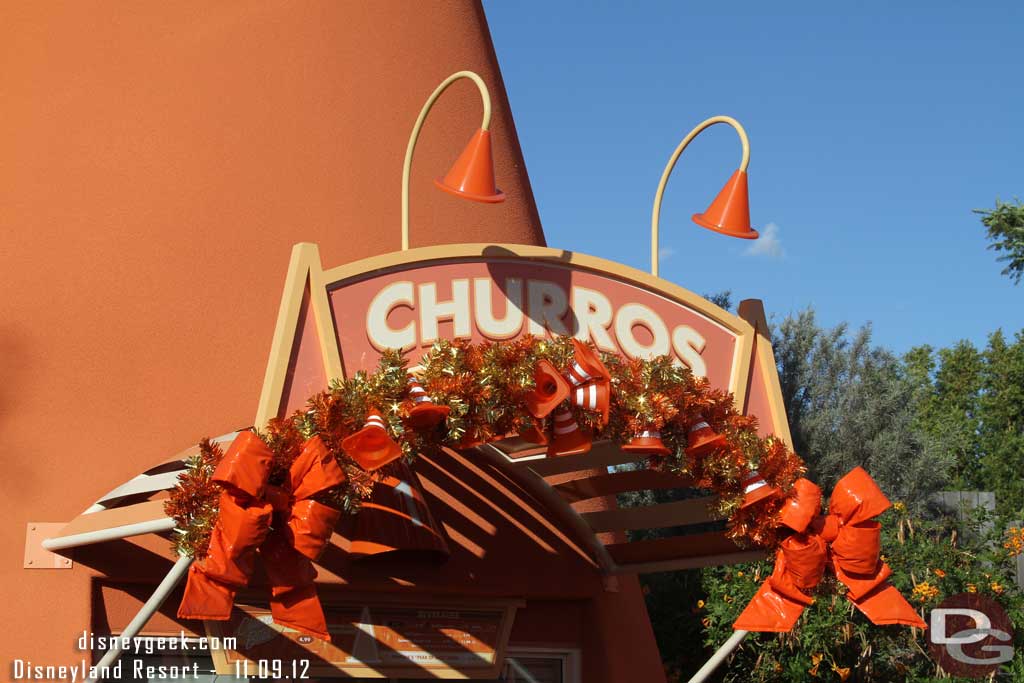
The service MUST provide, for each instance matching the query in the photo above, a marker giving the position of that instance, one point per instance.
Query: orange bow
(849, 537)
(299, 534)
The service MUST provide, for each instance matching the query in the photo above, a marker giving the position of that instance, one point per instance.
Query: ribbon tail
(771, 610)
(214, 580)
(299, 608)
(205, 598)
(293, 599)
(878, 599)
(886, 605)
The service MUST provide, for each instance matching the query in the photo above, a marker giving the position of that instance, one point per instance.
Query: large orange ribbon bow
(849, 538)
(300, 531)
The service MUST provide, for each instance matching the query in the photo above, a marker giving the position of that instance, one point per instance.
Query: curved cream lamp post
(729, 213)
(472, 175)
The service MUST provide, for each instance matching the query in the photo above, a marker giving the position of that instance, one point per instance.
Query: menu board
(371, 640)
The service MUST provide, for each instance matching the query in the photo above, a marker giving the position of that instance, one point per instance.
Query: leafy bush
(833, 641)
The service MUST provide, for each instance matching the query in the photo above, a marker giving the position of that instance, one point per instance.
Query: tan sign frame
(305, 270)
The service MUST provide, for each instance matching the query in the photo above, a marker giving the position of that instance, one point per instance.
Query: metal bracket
(38, 557)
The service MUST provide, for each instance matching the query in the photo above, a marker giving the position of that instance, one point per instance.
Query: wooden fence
(961, 503)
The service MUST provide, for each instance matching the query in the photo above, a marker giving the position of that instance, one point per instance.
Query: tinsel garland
(484, 386)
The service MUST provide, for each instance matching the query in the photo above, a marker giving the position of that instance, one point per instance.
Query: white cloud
(665, 253)
(768, 244)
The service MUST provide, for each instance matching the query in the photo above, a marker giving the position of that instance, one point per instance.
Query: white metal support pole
(155, 526)
(179, 569)
(720, 656)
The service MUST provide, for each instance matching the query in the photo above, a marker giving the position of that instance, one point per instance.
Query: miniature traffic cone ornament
(567, 437)
(425, 413)
(729, 213)
(396, 519)
(535, 433)
(647, 442)
(756, 489)
(550, 389)
(472, 176)
(702, 439)
(371, 446)
(591, 381)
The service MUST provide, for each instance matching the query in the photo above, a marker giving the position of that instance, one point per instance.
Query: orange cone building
(160, 160)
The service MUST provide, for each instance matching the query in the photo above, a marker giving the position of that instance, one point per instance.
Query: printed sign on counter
(371, 640)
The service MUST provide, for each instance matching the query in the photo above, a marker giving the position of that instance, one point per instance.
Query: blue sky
(874, 133)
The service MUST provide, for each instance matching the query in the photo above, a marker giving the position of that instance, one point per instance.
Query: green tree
(1005, 225)
(1001, 422)
(851, 403)
(948, 393)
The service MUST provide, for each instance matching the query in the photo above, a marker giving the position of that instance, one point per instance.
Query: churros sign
(337, 321)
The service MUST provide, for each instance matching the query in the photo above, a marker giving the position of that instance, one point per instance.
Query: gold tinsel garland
(484, 386)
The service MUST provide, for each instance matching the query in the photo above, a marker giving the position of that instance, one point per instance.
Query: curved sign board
(336, 322)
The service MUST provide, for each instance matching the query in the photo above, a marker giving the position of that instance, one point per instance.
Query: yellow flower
(842, 672)
(816, 658)
(939, 573)
(739, 575)
(924, 591)
(971, 588)
(1014, 541)
(899, 507)
(996, 587)
(700, 604)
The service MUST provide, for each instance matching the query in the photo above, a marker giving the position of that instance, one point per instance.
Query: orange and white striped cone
(593, 396)
(567, 437)
(756, 489)
(591, 381)
(425, 413)
(647, 442)
(702, 439)
(371, 446)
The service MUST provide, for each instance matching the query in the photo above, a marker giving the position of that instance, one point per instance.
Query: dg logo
(970, 635)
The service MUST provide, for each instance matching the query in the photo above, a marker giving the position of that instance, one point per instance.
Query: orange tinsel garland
(482, 390)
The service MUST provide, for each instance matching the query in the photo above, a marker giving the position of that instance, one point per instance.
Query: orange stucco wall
(157, 162)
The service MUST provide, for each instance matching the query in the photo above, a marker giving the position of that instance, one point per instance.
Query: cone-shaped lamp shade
(472, 176)
(729, 214)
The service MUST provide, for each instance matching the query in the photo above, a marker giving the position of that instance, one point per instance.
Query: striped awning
(134, 508)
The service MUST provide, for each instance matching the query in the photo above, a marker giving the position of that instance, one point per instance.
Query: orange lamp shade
(472, 176)
(729, 214)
